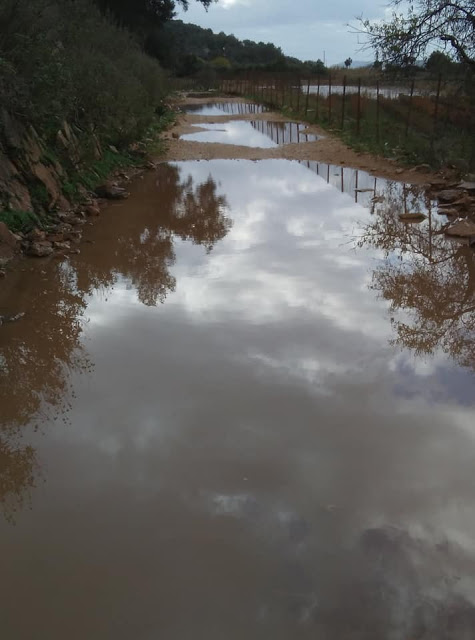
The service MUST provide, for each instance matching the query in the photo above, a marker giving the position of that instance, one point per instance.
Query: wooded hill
(186, 48)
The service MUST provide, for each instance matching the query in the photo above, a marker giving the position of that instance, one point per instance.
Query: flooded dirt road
(245, 409)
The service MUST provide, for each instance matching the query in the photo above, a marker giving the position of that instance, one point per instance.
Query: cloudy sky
(303, 28)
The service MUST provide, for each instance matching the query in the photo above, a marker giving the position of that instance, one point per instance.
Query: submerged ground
(214, 425)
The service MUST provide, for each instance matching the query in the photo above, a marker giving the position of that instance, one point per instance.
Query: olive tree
(418, 27)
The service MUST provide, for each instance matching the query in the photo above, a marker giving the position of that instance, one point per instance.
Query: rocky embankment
(34, 180)
(63, 234)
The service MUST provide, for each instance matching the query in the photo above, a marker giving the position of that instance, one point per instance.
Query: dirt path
(328, 149)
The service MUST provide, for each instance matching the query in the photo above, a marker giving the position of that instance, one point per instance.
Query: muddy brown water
(245, 410)
(225, 108)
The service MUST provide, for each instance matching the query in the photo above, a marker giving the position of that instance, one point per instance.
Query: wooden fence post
(377, 111)
(408, 119)
(317, 100)
(306, 99)
(358, 112)
(330, 99)
(436, 112)
(299, 86)
(343, 104)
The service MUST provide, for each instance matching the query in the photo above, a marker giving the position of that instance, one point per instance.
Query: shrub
(62, 60)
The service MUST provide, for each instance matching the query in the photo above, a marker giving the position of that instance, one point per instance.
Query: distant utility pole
(324, 61)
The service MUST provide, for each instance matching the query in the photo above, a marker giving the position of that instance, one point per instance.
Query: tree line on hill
(185, 49)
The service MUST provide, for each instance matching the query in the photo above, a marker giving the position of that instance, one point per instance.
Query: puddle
(225, 108)
(391, 93)
(259, 133)
(250, 407)
(284, 132)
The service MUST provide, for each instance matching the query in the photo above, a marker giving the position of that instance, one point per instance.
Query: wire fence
(428, 120)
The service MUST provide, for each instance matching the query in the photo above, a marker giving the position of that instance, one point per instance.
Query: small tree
(439, 62)
(348, 63)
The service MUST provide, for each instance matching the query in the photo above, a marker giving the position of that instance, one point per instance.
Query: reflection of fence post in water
(306, 99)
(330, 99)
(436, 113)
(358, 111)
(377, 111)
(408, 119)
(343, 104)
(429, 210)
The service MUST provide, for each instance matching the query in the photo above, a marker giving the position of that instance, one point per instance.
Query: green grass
(99, 170)
(20, 220)
(39, 195)
(425, 142)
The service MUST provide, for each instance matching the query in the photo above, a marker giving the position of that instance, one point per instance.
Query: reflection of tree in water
(142, 248)
(428, 276)
(35, 357)
(199, 215)
(38, 353)
(17, 475)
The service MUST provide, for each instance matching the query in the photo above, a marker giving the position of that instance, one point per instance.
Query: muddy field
(328, 149)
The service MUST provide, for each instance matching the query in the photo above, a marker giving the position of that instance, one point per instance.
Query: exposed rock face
(13, 190)
(8, 244)
(26, 168)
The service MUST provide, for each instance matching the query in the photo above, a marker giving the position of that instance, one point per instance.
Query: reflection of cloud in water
(252, 451)
(234, 132)
(39, 355)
